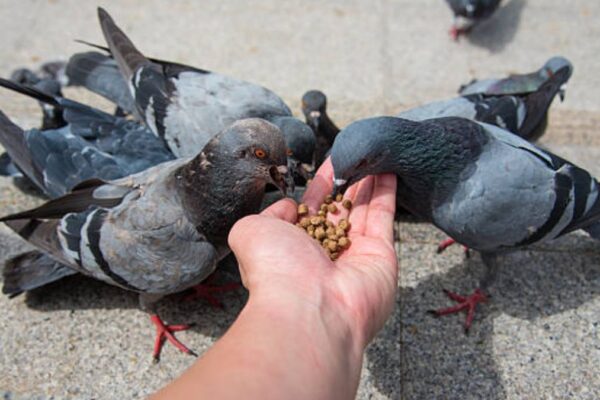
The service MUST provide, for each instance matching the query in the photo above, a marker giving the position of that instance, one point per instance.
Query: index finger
(284, 209)
(380, 217)
(321, 186)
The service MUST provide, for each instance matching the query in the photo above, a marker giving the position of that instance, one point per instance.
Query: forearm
(284, 349)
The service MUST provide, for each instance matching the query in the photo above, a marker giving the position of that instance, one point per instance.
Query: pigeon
(92, 144)
(523, 113)
(519, 84)
(187, 106)
(162, 230)
(483, 186)
(49, 82)
(472, 11)
(314, 108)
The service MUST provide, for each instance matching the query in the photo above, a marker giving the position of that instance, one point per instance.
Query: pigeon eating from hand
(483, 186)
(524, 113)
(472, 12)
(162, 230)
(314, 108)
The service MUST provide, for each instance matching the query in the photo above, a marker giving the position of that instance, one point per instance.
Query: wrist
(317, 326)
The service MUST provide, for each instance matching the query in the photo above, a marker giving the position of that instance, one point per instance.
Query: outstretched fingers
(380, 217)
(321, 186)
(285, 209)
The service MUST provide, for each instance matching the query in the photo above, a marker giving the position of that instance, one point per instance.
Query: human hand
(281, 265)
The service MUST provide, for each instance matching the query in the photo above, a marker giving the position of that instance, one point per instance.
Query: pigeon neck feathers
(226, 182)
(428, 157)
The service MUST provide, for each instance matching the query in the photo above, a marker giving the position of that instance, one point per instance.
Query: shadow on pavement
(419, 356)
(78, 292)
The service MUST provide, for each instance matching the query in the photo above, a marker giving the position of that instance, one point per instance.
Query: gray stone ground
(538, 338)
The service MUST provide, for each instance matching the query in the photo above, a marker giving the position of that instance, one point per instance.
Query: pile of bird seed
(333, 238)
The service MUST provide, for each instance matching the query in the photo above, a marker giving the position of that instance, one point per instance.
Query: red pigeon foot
(166, 332)
(447, 243)
(206, 291)
(464, 303)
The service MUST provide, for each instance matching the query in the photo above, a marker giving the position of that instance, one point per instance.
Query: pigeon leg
(206, 290)
(468, 303)
(454, 33)
(449, 242)
(163, 332)
(457, 31)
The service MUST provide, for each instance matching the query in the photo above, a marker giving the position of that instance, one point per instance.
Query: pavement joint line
(530, 249)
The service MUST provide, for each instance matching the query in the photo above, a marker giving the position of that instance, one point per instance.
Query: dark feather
(128, 57)
(77, 201)
(31, 270)
(13, 140)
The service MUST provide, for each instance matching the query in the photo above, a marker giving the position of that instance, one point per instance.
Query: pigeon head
(314, 105)
(555, 64)
(364, 148)
(248, 154)
(227, 180)
(558, 66)
(300, 142)
(299, 138)
(257, 149)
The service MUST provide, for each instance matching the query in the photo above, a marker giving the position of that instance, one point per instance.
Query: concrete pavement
(538, 337)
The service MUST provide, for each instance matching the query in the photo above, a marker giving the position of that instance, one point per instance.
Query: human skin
(308, 319)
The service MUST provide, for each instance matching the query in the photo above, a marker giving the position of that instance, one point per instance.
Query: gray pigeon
(472, 12)
(162, 230)
(520, 84)
(91, 144)
(483, 186)
(524, 113)
(187, 106)
(314, 108)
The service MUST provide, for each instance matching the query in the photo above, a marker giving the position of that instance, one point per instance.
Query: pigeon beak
(339, 186)
(561, 92)
(281, 178)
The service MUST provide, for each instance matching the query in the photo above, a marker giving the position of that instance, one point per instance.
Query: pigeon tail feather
(31, 270)
(128, 57)
(14, 142)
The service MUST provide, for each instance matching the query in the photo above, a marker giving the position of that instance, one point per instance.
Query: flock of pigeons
(144, 198)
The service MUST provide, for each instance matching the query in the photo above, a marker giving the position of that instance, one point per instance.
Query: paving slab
(539, 337)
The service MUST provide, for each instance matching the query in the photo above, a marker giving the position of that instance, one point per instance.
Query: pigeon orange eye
(290, 152)
(260, 153)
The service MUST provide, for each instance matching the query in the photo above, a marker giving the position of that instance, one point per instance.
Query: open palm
(279, 260)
